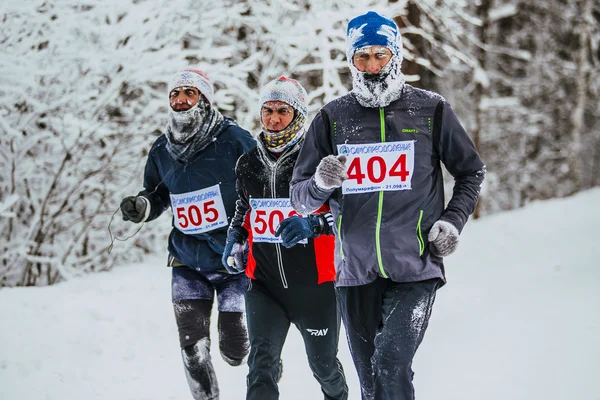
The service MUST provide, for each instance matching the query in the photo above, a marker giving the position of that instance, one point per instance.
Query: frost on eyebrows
(354, 35)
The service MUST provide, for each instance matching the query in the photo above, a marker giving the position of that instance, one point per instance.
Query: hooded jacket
(395, 192)
(197, 187)
(260, 177)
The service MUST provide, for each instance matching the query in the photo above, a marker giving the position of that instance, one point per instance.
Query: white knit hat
(193, 78)
(289, 91)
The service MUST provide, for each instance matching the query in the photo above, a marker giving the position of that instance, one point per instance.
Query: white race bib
(378, 166)
(200, 211)
(265, 217)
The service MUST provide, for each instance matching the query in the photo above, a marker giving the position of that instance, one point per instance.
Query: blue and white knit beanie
(289, 91)
(372, 29)
(193, 78)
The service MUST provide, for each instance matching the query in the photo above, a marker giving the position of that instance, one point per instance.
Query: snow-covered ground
(519, 320)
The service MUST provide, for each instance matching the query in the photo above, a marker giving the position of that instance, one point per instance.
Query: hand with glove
(443, 238)
(295, 228)
(235, 255)
(134, 208)
(331, 172)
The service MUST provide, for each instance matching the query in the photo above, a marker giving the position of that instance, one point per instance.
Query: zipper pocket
(420, 234)
(339, 234)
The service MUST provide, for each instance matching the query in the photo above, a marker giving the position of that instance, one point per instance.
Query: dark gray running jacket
(382, 226)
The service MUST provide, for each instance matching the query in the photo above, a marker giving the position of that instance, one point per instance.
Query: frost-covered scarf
(378, 90)
(278, 141)
(189, 131)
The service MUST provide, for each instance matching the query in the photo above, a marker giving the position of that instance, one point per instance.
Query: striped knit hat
(193, 78)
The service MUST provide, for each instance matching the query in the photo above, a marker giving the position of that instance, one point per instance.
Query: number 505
(194, 216)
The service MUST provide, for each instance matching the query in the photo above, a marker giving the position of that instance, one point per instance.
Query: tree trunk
(583, 81)
(412, 18)
(480, 90)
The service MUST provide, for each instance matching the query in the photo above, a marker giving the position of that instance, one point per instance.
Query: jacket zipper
(277, 245)
(380, 206)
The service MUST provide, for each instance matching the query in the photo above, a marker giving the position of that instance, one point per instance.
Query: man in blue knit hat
(374, 156)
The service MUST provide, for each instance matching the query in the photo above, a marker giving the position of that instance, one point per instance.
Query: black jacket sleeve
(460, 157)
(305, 195)
(237, 230)
(155, 190)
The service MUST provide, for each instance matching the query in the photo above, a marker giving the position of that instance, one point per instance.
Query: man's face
(183, 98)
(276, 115)
(371, 59)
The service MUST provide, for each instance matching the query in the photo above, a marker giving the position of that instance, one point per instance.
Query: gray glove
(443, 238)
(331, 172)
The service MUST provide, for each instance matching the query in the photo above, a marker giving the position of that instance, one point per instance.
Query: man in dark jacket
(289, 284)
(375, 156)
(190, 168)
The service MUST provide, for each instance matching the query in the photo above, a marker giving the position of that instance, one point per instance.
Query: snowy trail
(518, 319)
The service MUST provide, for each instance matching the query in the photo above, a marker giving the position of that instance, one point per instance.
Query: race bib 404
(378, 166)
(200, 211)
(265, 217)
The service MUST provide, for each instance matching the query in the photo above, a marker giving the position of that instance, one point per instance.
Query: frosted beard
(378, 90)
(182, 125)
(191, 130)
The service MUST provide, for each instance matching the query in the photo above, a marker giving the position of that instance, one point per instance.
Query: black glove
(295, 228)
(134, 208)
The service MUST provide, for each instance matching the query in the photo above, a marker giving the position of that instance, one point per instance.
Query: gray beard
(184, 124)
(377, 91)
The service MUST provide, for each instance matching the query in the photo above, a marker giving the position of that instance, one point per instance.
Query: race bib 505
(200, 211)
(265, 217)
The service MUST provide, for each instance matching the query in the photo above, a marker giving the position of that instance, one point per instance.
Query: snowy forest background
(83, 96)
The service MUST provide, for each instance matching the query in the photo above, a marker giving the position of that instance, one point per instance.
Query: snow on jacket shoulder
(201, 194)
(395, 192)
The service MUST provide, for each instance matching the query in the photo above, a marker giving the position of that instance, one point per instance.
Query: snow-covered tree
(83, 96)
(532, 102)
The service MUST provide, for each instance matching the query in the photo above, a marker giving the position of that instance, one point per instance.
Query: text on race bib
(265, 217)
(200, 211)
(374, 167)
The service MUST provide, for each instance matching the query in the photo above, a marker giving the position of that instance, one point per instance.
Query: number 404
(377, 175)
